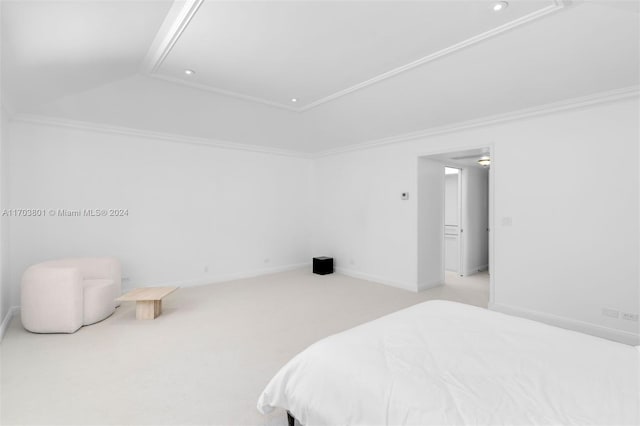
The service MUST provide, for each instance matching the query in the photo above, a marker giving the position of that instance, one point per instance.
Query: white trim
(462, 236)
(179, 19)
(376, 279)
(127, 131)
(214, 279)
(427, 286)
(492, 150)
(13, 312)
(229, 93)
(476, 269)
(621, 336)
(451, 49)
(567, 104)
(492, 209)
(437, 151)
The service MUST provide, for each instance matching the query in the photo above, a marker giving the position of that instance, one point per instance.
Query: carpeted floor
(204, 361)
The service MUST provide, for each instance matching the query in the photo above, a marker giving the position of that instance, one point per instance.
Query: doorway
(454, 216)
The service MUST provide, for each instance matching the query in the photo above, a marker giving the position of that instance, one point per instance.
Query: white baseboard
(427, 286)
(621, 336)
(476, 269)
(212, 279)
(13, 311)
(376, 279)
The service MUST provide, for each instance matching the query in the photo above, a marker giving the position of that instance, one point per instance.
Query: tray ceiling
(107, 62)
(314, 52)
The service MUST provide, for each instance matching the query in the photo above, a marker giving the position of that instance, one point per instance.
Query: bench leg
(148, 309)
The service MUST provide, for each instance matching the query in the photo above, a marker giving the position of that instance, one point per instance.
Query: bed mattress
(445, 363)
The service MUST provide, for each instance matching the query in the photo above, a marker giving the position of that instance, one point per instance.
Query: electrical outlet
(206, 268)
(267, 260)
(629, 317)
(126, 279)
(611, 313)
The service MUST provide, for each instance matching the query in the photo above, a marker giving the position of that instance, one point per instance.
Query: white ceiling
(57, 48)
(273, 52)
(360, 70)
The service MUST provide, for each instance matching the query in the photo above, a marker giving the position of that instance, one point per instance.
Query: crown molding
(558, 5)
(574, 103)
(235, 95)
(168, 137)
(183, 11)
(568, 104)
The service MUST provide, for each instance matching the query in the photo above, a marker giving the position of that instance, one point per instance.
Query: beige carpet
(204, 361)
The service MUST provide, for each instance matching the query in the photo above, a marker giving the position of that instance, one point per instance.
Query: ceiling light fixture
(189, 72)
(501, 5)
(294, 100)
(484, 161)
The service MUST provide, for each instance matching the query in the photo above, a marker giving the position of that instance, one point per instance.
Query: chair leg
(290, 419)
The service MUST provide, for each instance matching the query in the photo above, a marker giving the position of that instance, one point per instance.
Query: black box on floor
(323, 265)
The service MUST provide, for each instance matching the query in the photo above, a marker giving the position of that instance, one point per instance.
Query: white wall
(5, 287)
(475, 195)
(430, 230)
(196, 213)
(359, 218)
(562, 259)
(572, 247)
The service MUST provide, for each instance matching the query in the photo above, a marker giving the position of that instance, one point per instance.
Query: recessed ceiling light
(501, 5)
(294, 100)
(189, 72)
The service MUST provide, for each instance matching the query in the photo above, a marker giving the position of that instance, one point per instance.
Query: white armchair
(60, 296)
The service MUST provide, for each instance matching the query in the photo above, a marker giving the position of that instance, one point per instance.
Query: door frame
(492, 243)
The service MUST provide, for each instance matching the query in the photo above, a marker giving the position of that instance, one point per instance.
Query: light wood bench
(148, 300)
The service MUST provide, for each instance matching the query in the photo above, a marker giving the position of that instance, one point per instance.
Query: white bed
(444, 363)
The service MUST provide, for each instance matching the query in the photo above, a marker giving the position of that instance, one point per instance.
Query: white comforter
(443, 363)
